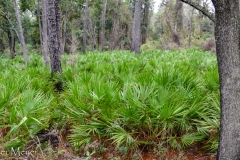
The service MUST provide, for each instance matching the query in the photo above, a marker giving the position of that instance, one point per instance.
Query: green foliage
(25, 101)
(121, 97)
(115, 97)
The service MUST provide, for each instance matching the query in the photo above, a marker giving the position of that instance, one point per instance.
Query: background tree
(85, 26)
(20, 30)
(6, 26)
(178, 11)
(44, 32)
(103, 19)
(116, 30)
(145, 21)
(136, 29)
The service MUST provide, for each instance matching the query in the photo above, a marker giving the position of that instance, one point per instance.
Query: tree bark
(228, 57)
(145, 21)
(39, 25)
(136, 29)
(20, 30)
(54, 28)
(103, 24)
(85, 27)
(45, 32)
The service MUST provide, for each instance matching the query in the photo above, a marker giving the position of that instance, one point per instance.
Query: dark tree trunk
(103, 24)
(145, 21)
(11, 42)
(44, 32)
(54, 28)
(136, 29)
(20, 31)
(85, 27)
(228, 56)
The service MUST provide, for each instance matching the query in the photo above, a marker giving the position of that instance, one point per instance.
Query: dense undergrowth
(159, 97)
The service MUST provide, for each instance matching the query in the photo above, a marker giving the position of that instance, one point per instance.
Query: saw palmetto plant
(115, 97)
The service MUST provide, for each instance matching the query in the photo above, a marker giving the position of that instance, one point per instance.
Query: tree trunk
(20, 30)
(64, 31)
(103, 24)
(11, 42)
(39, 25)
(145, 21)
(228, 57)
(85, 27)
(43, 51)
(175, 35)
(44, 32)
(92, 35)
(116, 32)
(178, 9)
(190, 29)
(54, 28)
(136, 29)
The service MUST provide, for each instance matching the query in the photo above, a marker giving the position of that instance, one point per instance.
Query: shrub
(210, 45)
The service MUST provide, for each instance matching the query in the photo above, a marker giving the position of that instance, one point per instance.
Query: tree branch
(200, 8)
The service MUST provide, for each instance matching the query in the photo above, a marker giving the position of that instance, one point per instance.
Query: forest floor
(188, 154)
(107, 151)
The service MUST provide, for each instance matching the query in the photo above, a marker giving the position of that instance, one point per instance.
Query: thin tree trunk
(20, 30)
(136, 29)
(11, 42)
(45, 32)
(64, 31)
(60, 32)
(85, 27)
(145, 21)
(44, 54)
(190, 29)
(54, 28)
(40, 26)
(103, 24)
(91, 31)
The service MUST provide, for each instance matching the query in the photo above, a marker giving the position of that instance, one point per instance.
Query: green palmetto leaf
(189, 139)
(120, 136)
(15, 128)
